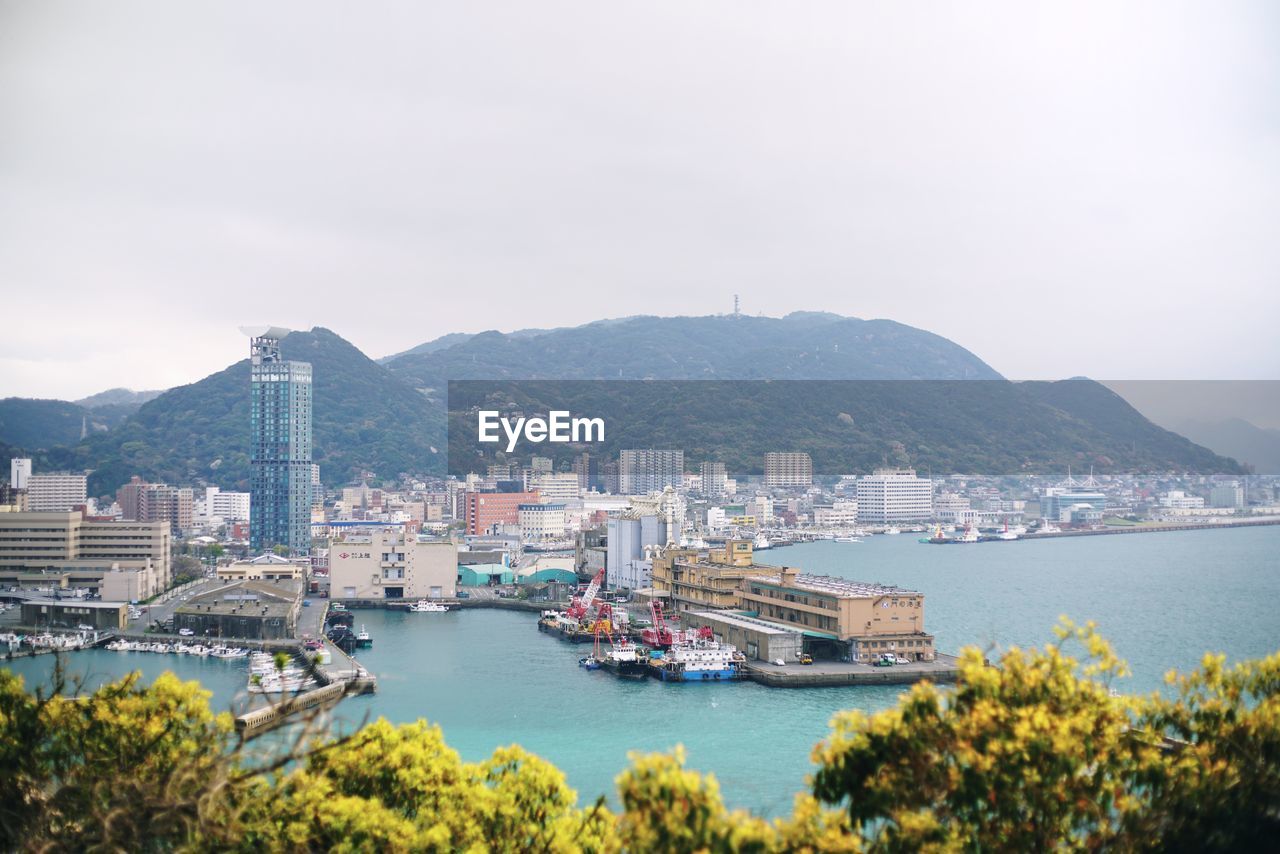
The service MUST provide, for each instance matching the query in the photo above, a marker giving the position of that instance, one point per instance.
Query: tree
(185, 568)
(1034, 754)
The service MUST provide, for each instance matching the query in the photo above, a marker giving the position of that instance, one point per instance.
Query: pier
(828, 674)
(1140, 528)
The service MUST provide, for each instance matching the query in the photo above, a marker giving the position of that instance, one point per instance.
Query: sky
(1083, 188)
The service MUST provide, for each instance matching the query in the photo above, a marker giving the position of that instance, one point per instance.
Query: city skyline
(1002, 180)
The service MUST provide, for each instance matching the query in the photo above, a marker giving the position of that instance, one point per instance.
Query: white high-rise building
(56, 493)
(556, 487)
(19, 472)
(788, 469)
(642, 471)
(713, 480)
(228, 506)
(894, 495)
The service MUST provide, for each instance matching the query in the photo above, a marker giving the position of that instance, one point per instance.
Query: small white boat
(892, 530)
(846, 540)
(426, 606)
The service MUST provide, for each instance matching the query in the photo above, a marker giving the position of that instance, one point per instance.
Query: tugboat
(363, 639)
(589, 662)
(626, 660)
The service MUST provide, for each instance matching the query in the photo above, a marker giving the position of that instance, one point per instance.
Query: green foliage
(1035, 754)
(987, 427)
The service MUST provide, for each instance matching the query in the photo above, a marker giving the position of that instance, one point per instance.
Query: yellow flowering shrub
(1035, 753)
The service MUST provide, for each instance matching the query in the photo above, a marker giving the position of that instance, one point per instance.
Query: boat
(625, 659)
(1006, 534)
(846, 540)
(970, 535)
(426, 606)
(701, 659)
(761, 542)
(892, 530)
(337, 606)
(589, 662)
(1049, 528)
(363, 639)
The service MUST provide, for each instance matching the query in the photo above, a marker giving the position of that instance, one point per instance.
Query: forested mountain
(390, 418)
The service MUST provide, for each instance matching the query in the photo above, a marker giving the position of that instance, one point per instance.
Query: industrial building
(392, 565)
(72, 614)
(701, 579)
(253, 610)
(858, 621)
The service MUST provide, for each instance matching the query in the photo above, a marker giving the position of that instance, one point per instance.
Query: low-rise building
(254, 610)
(391, 565)
(268, 567)
(72, 614)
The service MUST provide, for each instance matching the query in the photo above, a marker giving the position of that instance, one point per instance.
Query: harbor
(488, 678)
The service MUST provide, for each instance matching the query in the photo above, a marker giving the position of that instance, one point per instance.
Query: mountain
(945, 426)
(39, 424)
(365, 418)
(389, 418)
(804, 345)
(118, 397)
(1259, 447)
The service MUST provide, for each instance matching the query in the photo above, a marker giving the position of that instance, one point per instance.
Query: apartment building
(642, 471)
(56, 493)
(788, 469)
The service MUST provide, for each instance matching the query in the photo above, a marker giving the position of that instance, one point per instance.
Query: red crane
(579, 606)
(659, 634)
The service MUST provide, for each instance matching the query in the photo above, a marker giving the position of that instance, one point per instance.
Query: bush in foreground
(1035, 754)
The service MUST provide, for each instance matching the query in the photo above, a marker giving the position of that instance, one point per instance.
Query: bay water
(489, 678)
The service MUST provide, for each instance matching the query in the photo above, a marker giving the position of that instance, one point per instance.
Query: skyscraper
(280, 425)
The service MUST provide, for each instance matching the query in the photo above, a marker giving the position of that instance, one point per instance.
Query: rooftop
(838, 587)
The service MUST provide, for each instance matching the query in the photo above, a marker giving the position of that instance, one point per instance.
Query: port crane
(580, 605)
(659, 635)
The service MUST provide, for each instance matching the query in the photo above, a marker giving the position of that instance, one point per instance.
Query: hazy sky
(1065, 189)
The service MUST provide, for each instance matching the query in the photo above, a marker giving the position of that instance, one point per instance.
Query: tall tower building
(280, 426)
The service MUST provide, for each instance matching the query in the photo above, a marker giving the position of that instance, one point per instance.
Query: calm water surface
(490, 678)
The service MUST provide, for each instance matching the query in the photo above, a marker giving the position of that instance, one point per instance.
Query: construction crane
(659, 634)
(580, 605)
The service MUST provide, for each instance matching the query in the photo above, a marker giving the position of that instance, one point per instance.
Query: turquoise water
(490, 678)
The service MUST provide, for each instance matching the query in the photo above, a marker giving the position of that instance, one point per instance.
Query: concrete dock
(826, 674)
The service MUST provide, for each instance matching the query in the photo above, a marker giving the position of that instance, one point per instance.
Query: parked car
(900, 660)
(85, 627)
(779, 662)
(462, 594)
(806, 658)
(306, 603)
(186, 633)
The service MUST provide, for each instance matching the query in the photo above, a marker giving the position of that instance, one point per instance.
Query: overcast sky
(1092, 188)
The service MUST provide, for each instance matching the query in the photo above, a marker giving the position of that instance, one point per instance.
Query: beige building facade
(696, 579)
(871, 619)
(391, 565)
(67, 551)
